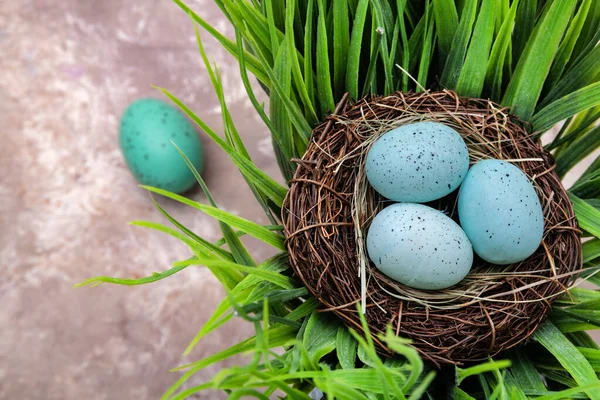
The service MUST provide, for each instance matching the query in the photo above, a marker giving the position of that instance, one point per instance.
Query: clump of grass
(538, 57)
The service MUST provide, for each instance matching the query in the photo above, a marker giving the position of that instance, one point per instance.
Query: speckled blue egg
(419, 246)
(145, 133)
(500, 212)
(418, 162)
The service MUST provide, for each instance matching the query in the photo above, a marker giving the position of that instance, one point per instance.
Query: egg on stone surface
(418, 162)
(419, 246)
(146, 130)
(500, 212)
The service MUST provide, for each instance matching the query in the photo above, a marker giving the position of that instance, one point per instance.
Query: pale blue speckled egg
(418, 162)
(419, 246)
(500, 212)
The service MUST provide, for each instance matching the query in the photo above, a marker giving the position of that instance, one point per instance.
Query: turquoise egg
(419, 246)
(500, 212)
(147, 128)
(418, 162)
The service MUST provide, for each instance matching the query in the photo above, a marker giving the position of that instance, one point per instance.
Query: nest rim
(329, 204)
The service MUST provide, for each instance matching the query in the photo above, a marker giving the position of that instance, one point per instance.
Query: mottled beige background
(68, 68)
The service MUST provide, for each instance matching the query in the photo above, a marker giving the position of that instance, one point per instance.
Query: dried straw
(330, 205)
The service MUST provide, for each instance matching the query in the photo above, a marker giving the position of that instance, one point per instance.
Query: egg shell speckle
(419, 246)
(418, 162)
(500, 212)
(146, 130)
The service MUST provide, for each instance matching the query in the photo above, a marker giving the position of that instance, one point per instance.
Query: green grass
(539, 57)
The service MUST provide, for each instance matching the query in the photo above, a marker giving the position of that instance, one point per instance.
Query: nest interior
(330, 205)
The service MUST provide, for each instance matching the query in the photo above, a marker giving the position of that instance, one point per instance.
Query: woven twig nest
(330, 205)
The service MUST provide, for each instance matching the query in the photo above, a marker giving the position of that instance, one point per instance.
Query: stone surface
(69, 69)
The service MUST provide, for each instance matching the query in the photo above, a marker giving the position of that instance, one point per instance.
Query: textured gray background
(69, 67)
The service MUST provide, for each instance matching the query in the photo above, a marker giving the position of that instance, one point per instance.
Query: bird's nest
(330, 205)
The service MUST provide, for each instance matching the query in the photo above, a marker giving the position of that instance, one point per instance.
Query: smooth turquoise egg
(145, 133)
(418, 162)
(419, 246)
(500, 212)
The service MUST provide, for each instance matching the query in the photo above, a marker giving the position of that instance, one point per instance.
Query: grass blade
(460, 42)
(267, 185)
(472, 74)
(446, 21)
(345, 346)
(251, 228)
(567, 106)
(254, 65)
(341, 43)
(354, 52)
(526, 84)
(307, 99)
(587, 216)
(566, 47)
(324, 91)
(584, 73)
(496, 66)
(524, 24)
(577, 151)
(568, 356)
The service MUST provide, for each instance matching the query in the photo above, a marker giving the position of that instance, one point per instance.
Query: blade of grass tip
(239, 252)
(309, 75)
(568, 356)
(269, 276)
(526, 84)
(446, 21)
(472, 74)
(307, 100)
(227, 279)
(156, 276)
(495, 68)
(464, 373)
(355, 50)
(422, 387)
(341, 43)
(251, 228)
(324, 91)
(254, 65)
(566, 47)
(272, 189)
(216, 250)
(455, 60)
